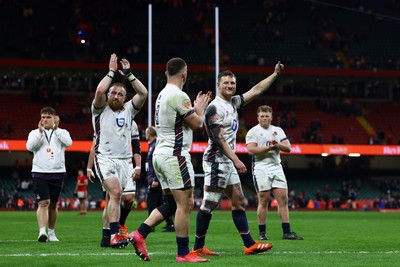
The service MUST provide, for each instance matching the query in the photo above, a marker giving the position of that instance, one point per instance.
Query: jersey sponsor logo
(156, 115)
(234, 125)
(120, 122)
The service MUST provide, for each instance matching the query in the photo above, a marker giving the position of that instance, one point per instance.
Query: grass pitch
(336, 238)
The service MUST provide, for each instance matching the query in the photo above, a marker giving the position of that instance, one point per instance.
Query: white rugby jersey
(48, 149)
(135, 131)
(223, 114)
(113, 130)
(173, 136)
(271, 160)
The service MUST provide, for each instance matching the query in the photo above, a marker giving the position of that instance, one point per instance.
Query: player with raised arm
(222, 166)
(112, 123)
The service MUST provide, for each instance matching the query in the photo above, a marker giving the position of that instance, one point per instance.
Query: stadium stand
(349, 107)
(302, 33)
(11, 187)
(384, 121)
(75, 117)
(69, 109)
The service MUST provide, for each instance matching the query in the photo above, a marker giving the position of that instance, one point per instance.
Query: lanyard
(48, 138)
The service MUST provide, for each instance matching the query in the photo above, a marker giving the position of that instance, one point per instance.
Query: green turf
(331, 239)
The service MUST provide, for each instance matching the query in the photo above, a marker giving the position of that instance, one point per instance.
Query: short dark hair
(225, 73)
(175, 65)
(48, 110)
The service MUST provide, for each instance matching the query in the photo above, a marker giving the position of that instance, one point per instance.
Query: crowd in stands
(6, 129)
(86, 32)
(390, 192)
(331, 196)
(76, 30)
(76, 112)
(347, 41)
(348, 200)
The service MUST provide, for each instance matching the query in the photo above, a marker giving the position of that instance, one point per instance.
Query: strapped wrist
(89, 170)
(130, 76)
(110, 74)
(137, 168)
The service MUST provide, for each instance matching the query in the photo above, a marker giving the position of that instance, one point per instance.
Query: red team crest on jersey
(186, 104)
(213, 119)
(48, 149)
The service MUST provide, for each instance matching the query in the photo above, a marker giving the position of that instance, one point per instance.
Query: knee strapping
(212, 196)
(210, 202)
(168, 208)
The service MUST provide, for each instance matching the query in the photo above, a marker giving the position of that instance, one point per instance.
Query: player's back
(173, 137)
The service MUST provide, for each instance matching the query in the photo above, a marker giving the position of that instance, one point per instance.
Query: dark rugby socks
(114, 227)
(124, 214)
(106, 233)
(286, 228)
(144, 230)
(262, 229)
(202, 222)
(240, 220)
(183, 245)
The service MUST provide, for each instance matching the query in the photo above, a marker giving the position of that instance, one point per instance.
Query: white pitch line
(337, 252)
(15, 241)
(223, 253)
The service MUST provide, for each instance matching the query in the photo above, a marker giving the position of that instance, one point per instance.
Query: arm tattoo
(218, 135)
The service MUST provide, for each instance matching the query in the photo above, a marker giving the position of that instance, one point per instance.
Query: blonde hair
(264, 108)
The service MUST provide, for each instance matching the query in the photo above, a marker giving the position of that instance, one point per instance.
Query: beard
(115, 105)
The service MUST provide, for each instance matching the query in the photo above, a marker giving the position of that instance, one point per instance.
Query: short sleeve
(281, 134)
(250, 137)
(237, 101)
(183, 104)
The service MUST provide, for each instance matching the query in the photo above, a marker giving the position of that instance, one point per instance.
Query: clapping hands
(113, 65)
(202, 100)
(125, 66)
